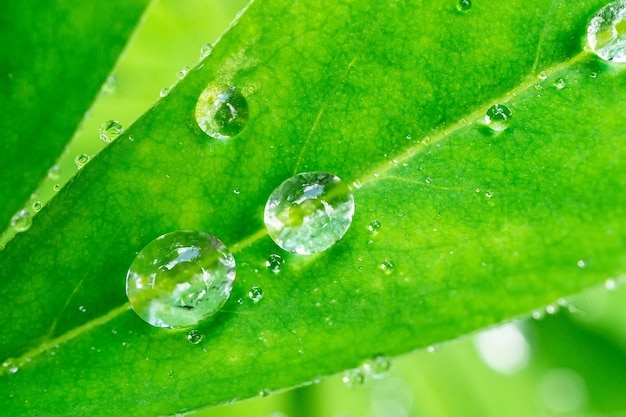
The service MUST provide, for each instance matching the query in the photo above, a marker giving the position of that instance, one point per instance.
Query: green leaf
(391, 97)
(56, 55)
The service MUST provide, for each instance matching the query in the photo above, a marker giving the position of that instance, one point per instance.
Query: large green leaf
(56, 55)
(390, 96)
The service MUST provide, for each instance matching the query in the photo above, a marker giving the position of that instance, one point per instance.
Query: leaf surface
(389, 96)
(56, 55)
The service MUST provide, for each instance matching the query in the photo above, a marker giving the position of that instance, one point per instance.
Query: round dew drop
(81, 160)
(21, 221)
(354, 378)
(221, 112)
(195, 337)
(274, 262)
(377, 367)
(255, 294)
(498, 117)
(606, 33)
(180, 279)
(464, 5)
(309, 212)
(110, 130)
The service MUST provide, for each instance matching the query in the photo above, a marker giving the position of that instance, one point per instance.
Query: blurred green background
(568, 359)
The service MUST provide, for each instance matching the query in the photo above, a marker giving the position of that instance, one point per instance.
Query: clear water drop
(542, 75)
(182, 73)
(377, 367)
(274, 262)
(11, 366)
(81, 160)
(56, 187)
(488, 194)
(221, 112)
(195, 336)
(606, 33)
(581, 263)
(309, 212)
(205, 50)
(464, 5)
(21, 221)
(255, 294)
(164, 92)
(37, 206)
(110, 85)
(374, 227)
(180, 279)
(54, 172)
(560, 84)
(82, 309)
(110, 130)
(264, 393)
(354, 378)
(498, 117)
(387, 266)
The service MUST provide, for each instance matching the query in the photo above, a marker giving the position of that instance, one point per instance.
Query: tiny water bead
(37, 205)
(182, 73)
(309, 212)
(274, 263)
(464, 5)
(377, 367)
(255, 294)
(81, 160)
(354, 378)
(374, 227)
(180, 279)
(221, 112)
(110, 85)
(498, 117)
(164, 92)
(205, 50)
(110, 130)
(21, 221)
(195, 337)
(387, 266)
(606, 33)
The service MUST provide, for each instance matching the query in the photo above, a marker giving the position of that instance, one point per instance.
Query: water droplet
(387, 266)
(593, 74)
(164, 92)
(236, 191)
(354, 378)
(240, 301)
(81, 160)
(274, 262)
(538, 315)
(428, 180)
(182, 73)
(205, 50)
(53, 173)
(37, 205)
(180, 279)
(606, 33)
(542, 75)
(255, 294)
(10, 366)
(221, 112)
(581, 263)
(610, 284)
(498, 117)
(560, 84)
(309, 212)
(464, 5)
(82, 309)
(489, 194)
(551, 309)
(195, 337)
(377, 367)
(374, 227)
(21, 221)
(110, 85)
(110, 130)
(264, 392)
(57, 187)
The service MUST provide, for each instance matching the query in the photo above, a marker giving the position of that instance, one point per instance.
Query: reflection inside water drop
(180, 279)
(221, 112)
(606, 33)
(498, 117)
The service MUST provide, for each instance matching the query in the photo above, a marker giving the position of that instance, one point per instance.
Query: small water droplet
(56, 187)
(81, 160)
(489, 194)
(498, 117)
(354, 378)
(240, 301)
(110, 85)
(110, 130)
(464, 5)
(37, 205)
(581, 263)
(264, 392)
(374, 227)
(610, 284)
(236, 191)
(606, 33)
(551, 309)
(180, 279)
(428, 180)
(21, 221)
(593, 74)
(195, 336)
(164, 92)
(560, 84)
(377, 367)
(221, 112)
(387, 266)
(309, 212)
(82, 309)
(182, 73)
(54, 172)
(542, 75)
(274, 262)
(10, 365)
(255, 294)
(205, 50)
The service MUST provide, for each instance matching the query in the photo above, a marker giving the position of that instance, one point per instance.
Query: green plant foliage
(56, 55)
(475, 226)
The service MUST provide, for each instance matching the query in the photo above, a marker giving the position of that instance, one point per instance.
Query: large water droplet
(274, 262)
(195, 337)
(221, 112)
(255, 294)
(81, 160)
(180, 279)
(21, 221)
(498, 117)
(606, 33)
(309, 212)
(110, 130)
(464, 5)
